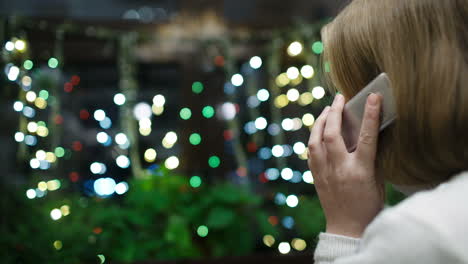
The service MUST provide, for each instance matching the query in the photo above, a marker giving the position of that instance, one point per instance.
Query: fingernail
(337, 98)
(373, 99)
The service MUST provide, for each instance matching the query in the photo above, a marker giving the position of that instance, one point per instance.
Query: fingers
(315, 145)
(367, 143)
(334, 142)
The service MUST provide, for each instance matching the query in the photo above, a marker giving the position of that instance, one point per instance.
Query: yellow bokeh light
(166, 143)
(303, 156)
(298, 244)
(268, 240)
(58, 244)
(53, 185)
(42, 131)
(281, 101)
(20, 45)
(26, 81)
(145, 131)
(157, 110)
(65, 209)
(50, 157)
(42, 186)
(305, 99)
(40, 103)
(282, 80)
(150, 155)
(308, 120)
(297, 81)
(295, 49)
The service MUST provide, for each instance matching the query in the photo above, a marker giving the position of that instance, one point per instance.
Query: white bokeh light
(172, 162)
(307, 177)
(318, 92)
(261, 123)
(102, 137)
(293, 95)
(121, 139)
(284, 248)
(299, 148)
(18, 106)
(19, 136)
(142, 110)
(277, 151)
(159, 100)
(295, 48)
(122, 161)
(287, 124)
(121, 188)
(292, 73)
(119, 99)
(228, 111)
(287, 174)
(255, 62)
(307, 71)
(237, 79)
(55, 214)
(31, 194)
(292, 201)
(13, 73)
(99, 115)
(263, 95)
(104, 186)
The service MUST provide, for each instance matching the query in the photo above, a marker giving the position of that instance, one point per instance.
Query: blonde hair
(422, 46)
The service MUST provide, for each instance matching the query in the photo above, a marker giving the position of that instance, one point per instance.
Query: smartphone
(353, 112)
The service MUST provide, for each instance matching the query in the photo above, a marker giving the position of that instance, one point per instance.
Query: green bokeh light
(59, 152)
(28, 64)
(41, 123)
(185, 113)
(195, 181)
(214, 161)
(53, 63)
(208, 111)
(317, 47)
(195, 139)
(327, 66)
(197, 87)
(44, 94)
(202, 231)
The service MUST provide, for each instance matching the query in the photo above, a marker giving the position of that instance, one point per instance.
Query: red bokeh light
(84, 114)
(68, 87)
(251, 147)
(58, 119)
(228, 135)
(273, 220)
(74, 176)
(75, 80)
(77, 146)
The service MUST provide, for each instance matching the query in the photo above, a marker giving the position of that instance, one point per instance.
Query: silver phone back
(354, 110)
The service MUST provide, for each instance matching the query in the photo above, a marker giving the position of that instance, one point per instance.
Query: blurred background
(163, 130)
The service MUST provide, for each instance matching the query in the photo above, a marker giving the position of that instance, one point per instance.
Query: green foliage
(157, 219)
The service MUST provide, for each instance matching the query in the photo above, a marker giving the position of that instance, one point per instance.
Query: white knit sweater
(428, 227)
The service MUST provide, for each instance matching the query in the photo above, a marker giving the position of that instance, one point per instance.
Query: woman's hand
(350, 193)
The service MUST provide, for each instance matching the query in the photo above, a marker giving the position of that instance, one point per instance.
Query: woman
(422, 46)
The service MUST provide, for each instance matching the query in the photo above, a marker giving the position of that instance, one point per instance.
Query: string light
(214, 161)
(308, 119)
(202, 231)
(307, 177)
(292, 201)
(195, 181)
(52, 63)
(307, 71)
(185, 113)
(208, 111)
(317, 47)
(150, 155)
(195, 139)
(228, 111)
(292, 73)
(287, 174)
(197, 87)
(55, 214)
(299, 148)
(281, 101)
(295, 49)
(142, 110)
(159, 100)
(282, 80)
(9, 46)
(172, 162)
(119, 99)
(31, 194)
(237, 80)
(19, 137)
(13, 73)
(293, 95)
(98, 168)
(28, 64)
(298, 244)
(277, 151)
(261, 123)
(104, 186)
(318, 92)
(268, 240)
(121, 188)
(122, 161)
(255, 62)
(263, 95)
(20, 45)
(284, 248)
(30, 96)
